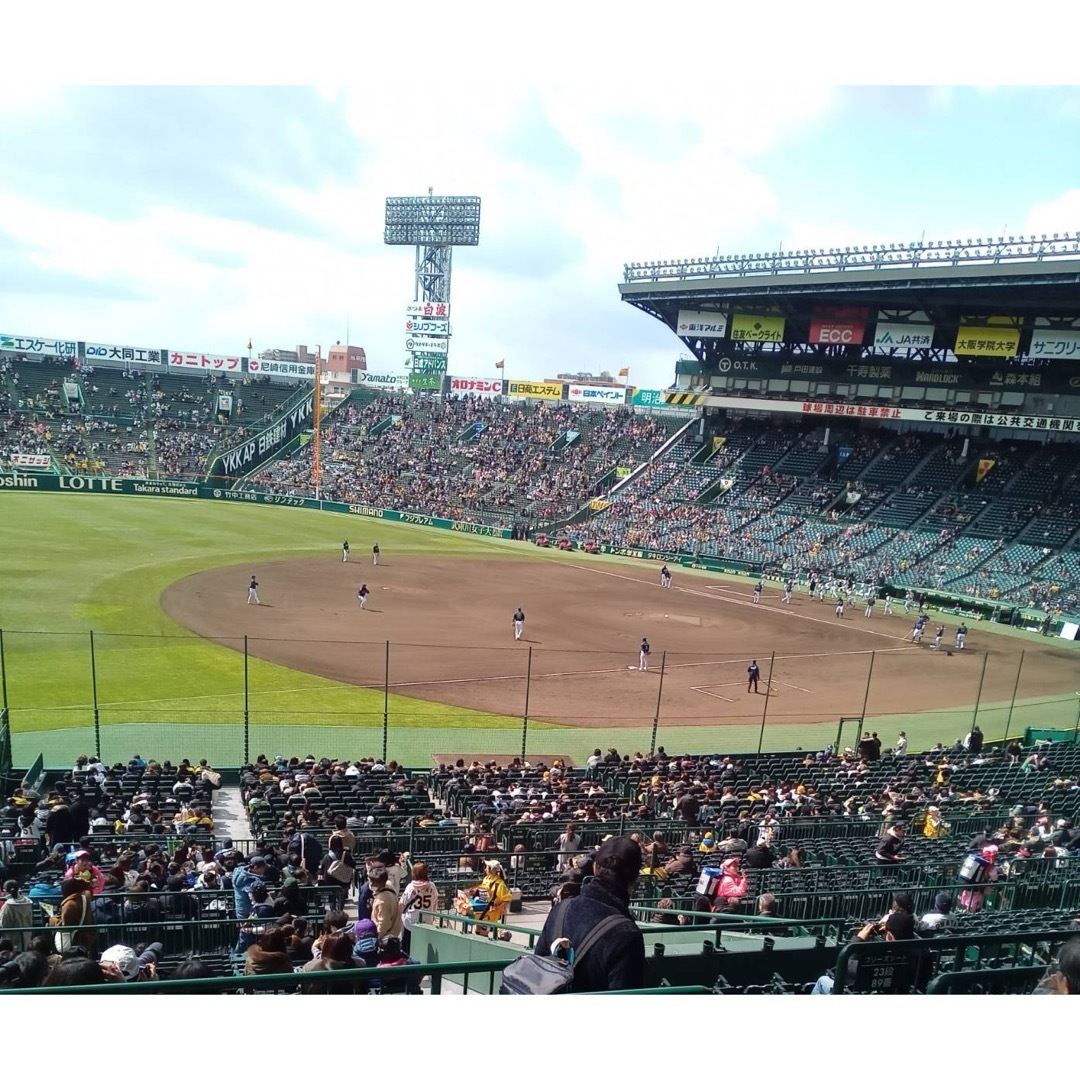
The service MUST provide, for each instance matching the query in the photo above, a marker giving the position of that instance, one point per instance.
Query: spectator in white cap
(123, 961)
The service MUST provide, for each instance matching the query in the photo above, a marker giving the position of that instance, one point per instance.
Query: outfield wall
(186, 489)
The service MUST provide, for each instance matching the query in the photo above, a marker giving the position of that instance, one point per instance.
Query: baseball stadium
(814, 600)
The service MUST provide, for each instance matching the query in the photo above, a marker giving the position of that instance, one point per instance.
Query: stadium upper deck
(985, 326)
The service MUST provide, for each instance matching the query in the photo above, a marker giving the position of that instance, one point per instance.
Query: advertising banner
(33, 346)
(252, 453)
(545, 391)
(435, 346)
(31, 461)
(987, 341)
(1026, 422)
(891, 335)
(460, 385)
(435, 327)
(650, 399)
(607, 395)
(757, 328)
(208, 361)
(381, 379)
(128, 354)
(421, 362)
(427, 309)
(419, 380)
(281, 367)
(1060, 343)
(838, 326)
(102, 484)
(701, 324)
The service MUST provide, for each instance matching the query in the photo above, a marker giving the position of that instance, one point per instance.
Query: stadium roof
(1027, 277)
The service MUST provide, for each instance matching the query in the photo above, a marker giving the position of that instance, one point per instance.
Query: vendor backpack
(709, 882)
(533, 974)
(973, 869)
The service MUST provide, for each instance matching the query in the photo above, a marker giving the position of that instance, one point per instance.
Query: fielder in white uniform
(665, 577)
(375, 555)
(519, 624)
(643, 655)
(362, 595)
(253, 591)
(345, 551)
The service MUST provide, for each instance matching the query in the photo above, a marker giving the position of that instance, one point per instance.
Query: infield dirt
(449, 624)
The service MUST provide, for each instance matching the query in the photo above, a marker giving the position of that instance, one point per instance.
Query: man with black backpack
(614, 959)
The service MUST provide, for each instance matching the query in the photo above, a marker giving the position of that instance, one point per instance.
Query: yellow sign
(987, 341)
(548, 391)
(985, 465)
(622, 470)
(757, 328)
(599, 504)
(718, 441)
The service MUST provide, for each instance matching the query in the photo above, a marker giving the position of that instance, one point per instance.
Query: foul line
(743, 603)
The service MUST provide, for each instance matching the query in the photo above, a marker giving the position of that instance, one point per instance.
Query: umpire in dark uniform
(753, 673)
(617, 960)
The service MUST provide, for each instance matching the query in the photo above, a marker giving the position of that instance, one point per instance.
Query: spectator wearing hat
(935, 827)
(495, 896)
(891, 844)
(132, 966)
(16, 916)
(940, 916)
(616, 961)
(243, 879)
(385, 911)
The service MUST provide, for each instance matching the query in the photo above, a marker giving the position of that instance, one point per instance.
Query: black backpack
(533, 974)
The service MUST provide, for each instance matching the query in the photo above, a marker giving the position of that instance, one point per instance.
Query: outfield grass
(76, 564)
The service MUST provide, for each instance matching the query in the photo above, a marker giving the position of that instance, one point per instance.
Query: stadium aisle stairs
(230, 818)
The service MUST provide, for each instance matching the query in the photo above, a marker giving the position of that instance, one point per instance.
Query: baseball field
(125, 627)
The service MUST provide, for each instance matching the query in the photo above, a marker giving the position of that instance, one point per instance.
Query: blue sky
(197, 216)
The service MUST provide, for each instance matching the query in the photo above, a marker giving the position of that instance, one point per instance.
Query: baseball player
(375, 555)
(961, 635)
(758, 588)
(789, 587)
(253, 590)
(811, 586)
(643, 655)
(887, 609)
(665, 577)
(840, 607)
(909, 599)
(868, 611)
(345, 551)
(753, 673)
(362, 595)
(519, 624)
(917, 631)
(938, 635)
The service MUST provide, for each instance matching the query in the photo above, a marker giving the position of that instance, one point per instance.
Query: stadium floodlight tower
(434, 225)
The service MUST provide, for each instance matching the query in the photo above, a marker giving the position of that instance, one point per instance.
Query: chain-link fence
(170, 697)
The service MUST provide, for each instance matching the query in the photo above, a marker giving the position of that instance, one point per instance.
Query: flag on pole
(500, 363)
(624, 373)
(985, 465)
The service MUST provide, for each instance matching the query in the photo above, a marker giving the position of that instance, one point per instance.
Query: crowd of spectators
(463, 457)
